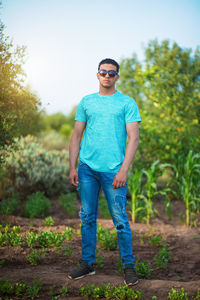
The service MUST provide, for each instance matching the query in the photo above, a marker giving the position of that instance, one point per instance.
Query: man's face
(107, 81)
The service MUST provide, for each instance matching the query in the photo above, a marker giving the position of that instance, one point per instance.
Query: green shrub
(48, 221)
(37, 205)
(68, 203)
(8, 206)
(52, 140)
(31, 168)
(143, 269)
(177, 295)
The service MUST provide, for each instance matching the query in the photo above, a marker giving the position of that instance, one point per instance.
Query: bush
(37, 205)
(52, 140)
(8, 206)
(31, 168)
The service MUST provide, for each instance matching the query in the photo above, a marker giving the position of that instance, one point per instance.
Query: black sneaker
(130, 276)
(82, 271)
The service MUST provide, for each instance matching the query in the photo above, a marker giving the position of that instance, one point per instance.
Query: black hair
(109, 61)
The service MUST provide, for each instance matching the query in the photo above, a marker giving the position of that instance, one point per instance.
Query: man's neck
(107, 92)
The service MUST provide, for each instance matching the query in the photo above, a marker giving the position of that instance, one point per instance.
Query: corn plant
(150, 187)
(134, 182)
(187, 174)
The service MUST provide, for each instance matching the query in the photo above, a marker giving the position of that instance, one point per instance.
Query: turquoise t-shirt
(103, 144)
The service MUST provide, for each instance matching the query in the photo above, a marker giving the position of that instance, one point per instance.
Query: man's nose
(107, 75)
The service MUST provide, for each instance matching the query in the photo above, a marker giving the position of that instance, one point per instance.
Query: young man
(107, 117)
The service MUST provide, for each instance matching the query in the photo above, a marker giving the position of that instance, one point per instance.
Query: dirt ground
(183, 268)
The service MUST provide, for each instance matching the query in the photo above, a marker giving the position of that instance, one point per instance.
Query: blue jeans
(90, 183)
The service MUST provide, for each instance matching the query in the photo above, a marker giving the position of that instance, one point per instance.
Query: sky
(65, 40)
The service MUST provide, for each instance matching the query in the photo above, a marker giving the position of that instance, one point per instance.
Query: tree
(168, 87)
(19, 107)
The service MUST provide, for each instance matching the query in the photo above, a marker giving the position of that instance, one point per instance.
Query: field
(182, 269)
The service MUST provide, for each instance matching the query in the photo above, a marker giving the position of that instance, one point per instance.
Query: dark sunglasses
(110, 73)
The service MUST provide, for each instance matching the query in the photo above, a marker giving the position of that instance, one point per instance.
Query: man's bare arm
(74, 148)
(133, 142)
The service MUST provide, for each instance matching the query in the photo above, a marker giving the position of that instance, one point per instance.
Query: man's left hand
(119, 180)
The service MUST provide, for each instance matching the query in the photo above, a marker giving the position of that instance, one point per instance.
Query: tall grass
(187, 176)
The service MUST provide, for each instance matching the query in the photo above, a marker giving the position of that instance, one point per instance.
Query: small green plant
(155, 240)
(34, 257)
(51, 290)
(68, 203)
(177, 295)
(68, 233)
(99, 259)
(37, 205)
(20, 288)
(33, 290)
(8, 206)
(109, 292)
(163, 256)
(63, 291)
(6, 288)
(2, 261)
(68, 250)
(31, 239)
(108, 240)
(48, 221)
(143, 269)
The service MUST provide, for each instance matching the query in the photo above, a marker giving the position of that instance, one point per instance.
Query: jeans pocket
(81, 163)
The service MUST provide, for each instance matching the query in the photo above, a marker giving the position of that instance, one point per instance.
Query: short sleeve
(80, 112)
(132, 113)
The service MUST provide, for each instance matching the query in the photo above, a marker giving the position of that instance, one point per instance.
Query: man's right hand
(73, 177)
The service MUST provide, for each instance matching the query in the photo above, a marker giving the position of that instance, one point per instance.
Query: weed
(37, 205)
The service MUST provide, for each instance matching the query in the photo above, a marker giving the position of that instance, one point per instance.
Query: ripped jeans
(90, 183)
